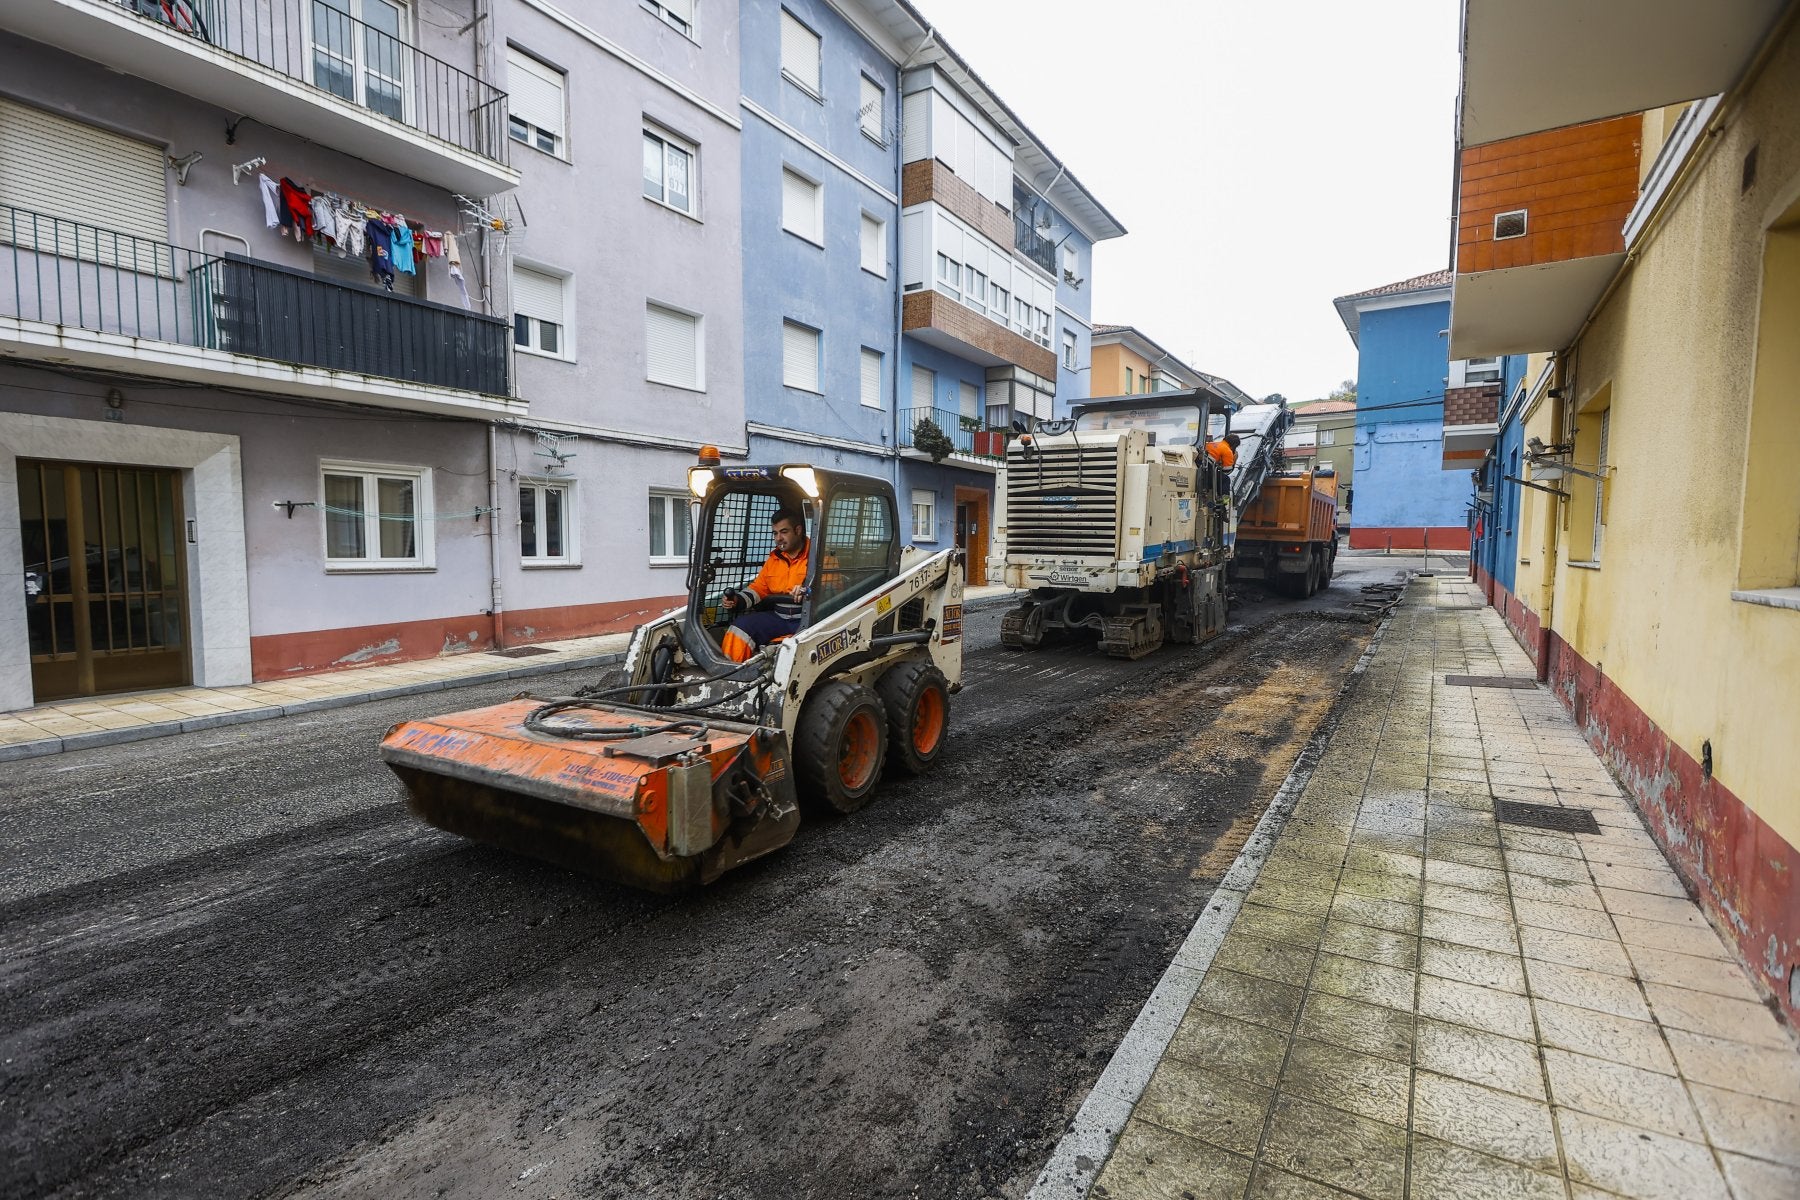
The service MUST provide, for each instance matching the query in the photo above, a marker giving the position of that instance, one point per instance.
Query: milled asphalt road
(232, 965)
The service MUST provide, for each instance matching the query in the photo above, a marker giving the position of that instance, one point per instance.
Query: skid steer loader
(696, 764)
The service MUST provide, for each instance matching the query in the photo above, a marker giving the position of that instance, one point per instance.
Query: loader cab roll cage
(852, 530)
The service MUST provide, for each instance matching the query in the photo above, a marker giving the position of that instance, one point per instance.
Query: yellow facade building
(1651, 265)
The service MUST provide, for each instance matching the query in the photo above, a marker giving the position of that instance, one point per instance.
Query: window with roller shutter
(924, 389)
(799, 53)
(874, 245)
(71, 172)
(870, 114)
(677, 14)
(800, 356)
(871, 378)
(802, 207)
(674, 350)
(536, 103)
(540, 303)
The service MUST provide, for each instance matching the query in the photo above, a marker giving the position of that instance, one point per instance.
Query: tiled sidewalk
(1416, 1001)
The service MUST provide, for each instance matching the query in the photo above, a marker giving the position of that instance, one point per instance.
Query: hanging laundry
(452, 251)
(324, 215)
(456, 277)
(431, 243)
(352, 236)
(381, 251)
(298, 207)
(403, 247)
(273, 209)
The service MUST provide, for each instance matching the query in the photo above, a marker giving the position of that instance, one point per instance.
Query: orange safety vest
(1222, 454)
(780, 575)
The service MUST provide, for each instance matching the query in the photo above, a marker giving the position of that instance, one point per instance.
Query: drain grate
(1499, 681)
(1546, 816)
(521, 652)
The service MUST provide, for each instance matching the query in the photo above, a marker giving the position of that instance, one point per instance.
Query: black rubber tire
(819, 746)
(900, 690)
(1330, 561)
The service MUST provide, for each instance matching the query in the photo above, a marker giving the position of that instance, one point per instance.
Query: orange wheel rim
(861, 747)
(928, 721)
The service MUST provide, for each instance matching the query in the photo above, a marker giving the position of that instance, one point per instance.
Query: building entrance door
(972, 532)
(105, 596)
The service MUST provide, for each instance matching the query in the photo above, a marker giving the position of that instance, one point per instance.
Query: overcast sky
(1265, 157)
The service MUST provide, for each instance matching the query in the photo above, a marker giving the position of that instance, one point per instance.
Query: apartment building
(1126, 361)
(1634, 224)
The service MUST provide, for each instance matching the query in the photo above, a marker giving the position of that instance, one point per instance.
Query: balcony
(1540, 232)
(1471, 423)
(976, 443)
(302, 66)
(941, 321)
(1027, 241)
(79, 295)
(1532, 65)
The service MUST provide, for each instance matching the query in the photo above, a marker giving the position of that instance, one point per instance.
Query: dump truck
(1287, 536)
(1116, 521)
(696, 763)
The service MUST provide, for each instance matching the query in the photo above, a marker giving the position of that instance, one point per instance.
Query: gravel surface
(231, 964)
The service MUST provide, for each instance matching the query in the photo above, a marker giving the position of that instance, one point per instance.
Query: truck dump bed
(1291, 508)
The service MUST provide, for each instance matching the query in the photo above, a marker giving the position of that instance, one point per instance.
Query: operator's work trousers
(756, 629)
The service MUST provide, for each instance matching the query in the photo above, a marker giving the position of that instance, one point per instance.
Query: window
(859, 544)
(874, 245)
(1071, 261)
(1600, 484)
(950, 274)
(360, 53)
(799, 53)
(1000, 301)
(678, 14)
(924, 515)
(800, 357)
(924, 391)
(871, 115)
(671, 526)
(375, 516)
(1481, 370)
(871, 378)
(669, 170)
(1586, 509)
(674, 352)
(975, 295)
(535, 102)
(969, 404)
(802, 207)
(1327, 437)
(1070, 347)
(1768, 568)
(540, 308)
(1130, 381)
(53, 165)
(546, 533)
(1042, 334)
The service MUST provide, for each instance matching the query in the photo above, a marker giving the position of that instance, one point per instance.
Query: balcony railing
(1039, 249)
(969, 435)
(318, 44)
(82, 276)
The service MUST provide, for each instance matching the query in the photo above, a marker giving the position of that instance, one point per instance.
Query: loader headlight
(805, 477)
(699, 479)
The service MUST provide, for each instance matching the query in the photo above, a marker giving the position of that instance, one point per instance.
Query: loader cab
(852, 530)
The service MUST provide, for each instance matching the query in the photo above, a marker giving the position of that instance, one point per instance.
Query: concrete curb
(138, 733)
(1088, 1143)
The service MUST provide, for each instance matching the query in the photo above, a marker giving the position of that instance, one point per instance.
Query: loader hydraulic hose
(538, 721)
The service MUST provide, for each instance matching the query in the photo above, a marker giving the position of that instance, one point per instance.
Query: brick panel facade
(934, 310)
(929, 179)
(1576, 184)
(1478, 405)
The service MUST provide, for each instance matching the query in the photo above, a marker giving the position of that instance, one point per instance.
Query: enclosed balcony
(344, 73)
(79, 295)
(975, 442)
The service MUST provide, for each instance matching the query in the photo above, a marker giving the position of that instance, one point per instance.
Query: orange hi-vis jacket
(1222, 454)
(780, 575)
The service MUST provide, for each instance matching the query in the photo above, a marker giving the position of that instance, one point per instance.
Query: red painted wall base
(284, 655)
(1744, 875)
(1409, 537)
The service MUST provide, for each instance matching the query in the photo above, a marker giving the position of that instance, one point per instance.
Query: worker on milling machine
(1224, 450)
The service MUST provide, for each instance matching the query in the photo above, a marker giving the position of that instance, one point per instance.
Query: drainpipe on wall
(496, 606)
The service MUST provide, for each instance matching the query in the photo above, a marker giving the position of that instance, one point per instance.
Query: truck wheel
(1314, 569)
(917, 699)
(840, 745)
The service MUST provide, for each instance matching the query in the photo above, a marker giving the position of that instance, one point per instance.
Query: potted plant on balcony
(927, 436)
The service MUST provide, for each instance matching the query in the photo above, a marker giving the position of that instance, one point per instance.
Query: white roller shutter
(800, 205)
(971, 401)
(915, 127)
(671, 347)
(799, 52)
(874, 245)
(799, 357)
(536, 294)
(681, 9)
(871, 378)
(912, 248)
(924, 388)
(66, 169)
(872, 117)
(535, 92)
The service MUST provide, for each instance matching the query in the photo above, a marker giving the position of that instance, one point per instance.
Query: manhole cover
(1545, 816)
(521, 652)
(1499, 681)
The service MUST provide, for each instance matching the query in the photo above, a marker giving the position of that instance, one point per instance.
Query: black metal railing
(969, 435)
(1039, 249)
(319, 44)
(293, 317)
(82, 276)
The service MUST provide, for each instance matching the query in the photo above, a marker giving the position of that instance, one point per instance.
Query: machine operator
(782, 579)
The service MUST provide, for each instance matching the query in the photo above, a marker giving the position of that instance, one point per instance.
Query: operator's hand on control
(732, 600)
(801, 593)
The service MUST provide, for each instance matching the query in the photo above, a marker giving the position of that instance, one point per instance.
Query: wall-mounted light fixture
(183, 165)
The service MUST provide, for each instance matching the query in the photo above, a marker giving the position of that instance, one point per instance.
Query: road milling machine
(1117, 520)
(697, 763)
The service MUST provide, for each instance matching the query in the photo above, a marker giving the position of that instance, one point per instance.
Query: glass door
(359, 52)
(105, 578)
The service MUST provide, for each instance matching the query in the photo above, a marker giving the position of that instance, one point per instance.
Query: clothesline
(391, 243)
